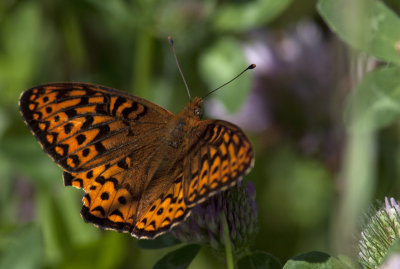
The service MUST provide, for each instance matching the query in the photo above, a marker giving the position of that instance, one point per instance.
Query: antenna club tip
(252, 66)
(170, 40)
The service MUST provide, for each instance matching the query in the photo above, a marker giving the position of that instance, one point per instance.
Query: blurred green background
(291, 106)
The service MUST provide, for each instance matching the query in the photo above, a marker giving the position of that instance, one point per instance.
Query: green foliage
(19, 50)
(367, 25)
(315, 260)
(373, 29)
(163, 241)
(375, 102)
(259, 260)
(307, 199)
(222, 62)
(179, 259)
(237, 17)
(26, 241)
(292, 179)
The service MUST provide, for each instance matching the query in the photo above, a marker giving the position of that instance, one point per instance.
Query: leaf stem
(227, 242)
(359, 167)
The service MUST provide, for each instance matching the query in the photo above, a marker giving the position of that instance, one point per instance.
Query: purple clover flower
(204, 226)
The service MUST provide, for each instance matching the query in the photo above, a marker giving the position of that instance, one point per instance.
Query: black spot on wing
(123, 164)
(71, 113)
(67, 179)
(104, 196)
(75, 159)
(80, 181)
(117, 213)
(88, 122)
(122, 200)
(87, 196)
(100, 180)
(85, 152)
(103, 131)
(101, 109)
(128, 110)
(160, 211)
(84, 100)
(99, 147)
(68, 127)
(80, 139)
(99, 209)
(118, 103)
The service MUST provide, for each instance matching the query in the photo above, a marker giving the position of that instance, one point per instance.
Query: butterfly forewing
(82, 126)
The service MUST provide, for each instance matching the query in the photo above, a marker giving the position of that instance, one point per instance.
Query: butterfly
(142, 168)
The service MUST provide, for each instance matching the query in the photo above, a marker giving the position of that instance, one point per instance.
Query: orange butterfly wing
(220, 157)
(102, 138)
(166, 211)
(82, 126)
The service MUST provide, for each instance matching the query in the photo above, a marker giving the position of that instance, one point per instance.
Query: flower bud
(204, 226)
(379, 234)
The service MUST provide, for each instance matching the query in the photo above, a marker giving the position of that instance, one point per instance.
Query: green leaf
(243, 16)
(219, 64)
(259, 260)
(24, 250)
(163, 241)
(348, 261)
(366, 25)
(178, 259)
(375, 102)
(315, 260)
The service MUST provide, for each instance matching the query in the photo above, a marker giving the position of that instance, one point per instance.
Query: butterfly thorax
(183, 123)
(171, 151)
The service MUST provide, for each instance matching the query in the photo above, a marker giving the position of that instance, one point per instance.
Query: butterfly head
(195, 107)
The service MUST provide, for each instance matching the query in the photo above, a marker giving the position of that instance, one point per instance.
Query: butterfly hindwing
(164, 213)
(113, 194)
(220, 156)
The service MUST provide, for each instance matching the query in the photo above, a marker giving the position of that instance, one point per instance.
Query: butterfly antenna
(171, 42)
(252, 66)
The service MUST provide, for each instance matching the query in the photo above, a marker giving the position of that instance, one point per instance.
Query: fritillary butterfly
(142, 167)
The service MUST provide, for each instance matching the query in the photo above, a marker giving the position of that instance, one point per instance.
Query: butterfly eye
(198, 112)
